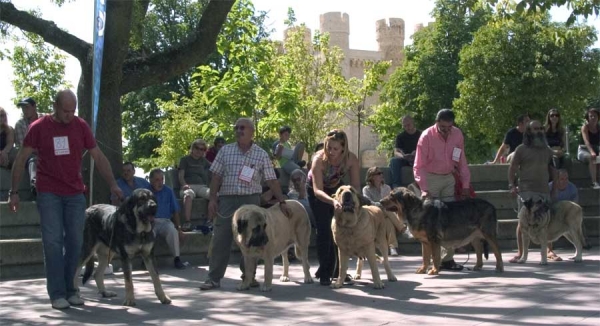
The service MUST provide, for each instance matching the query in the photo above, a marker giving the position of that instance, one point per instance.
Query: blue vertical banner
(99, 24)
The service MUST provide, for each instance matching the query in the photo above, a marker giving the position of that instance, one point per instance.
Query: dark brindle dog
(126, 231)
(451, 224)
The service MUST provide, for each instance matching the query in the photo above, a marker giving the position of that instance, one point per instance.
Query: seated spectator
(512, 139)
(194, 178)
(375, 190)
(566, 190)
(404, 150)
(298, 192)
(589, 146)
(128, 182)
(211, 153)
(166, 223)
(289, 159)
(557, 139)
(7, 141)
(267, 197)
(29, 108)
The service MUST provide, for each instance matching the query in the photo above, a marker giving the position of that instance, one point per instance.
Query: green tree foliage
(427, 80)
(220, 92)
(518, 65)
(38, 70)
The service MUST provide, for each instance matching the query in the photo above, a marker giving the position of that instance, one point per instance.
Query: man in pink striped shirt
(440, 152)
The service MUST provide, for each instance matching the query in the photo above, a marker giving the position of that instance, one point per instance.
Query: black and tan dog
(357, 231)
(268, 233)
(542, 223)
(126, 231)
(451, 224)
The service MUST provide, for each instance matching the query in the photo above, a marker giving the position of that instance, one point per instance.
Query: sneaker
(187, 227)
(209, 285)
(595, 185)
(61, 303)
(75, 300)
(178, 263)
(393, 252)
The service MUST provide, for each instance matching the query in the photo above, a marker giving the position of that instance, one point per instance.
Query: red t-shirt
(59, 148)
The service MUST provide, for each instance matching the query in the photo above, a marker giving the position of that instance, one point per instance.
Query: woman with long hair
(7, 140)
(329, 167)
(589, 146)
(556, 137)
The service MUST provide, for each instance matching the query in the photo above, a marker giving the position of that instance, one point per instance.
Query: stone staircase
(21, 250)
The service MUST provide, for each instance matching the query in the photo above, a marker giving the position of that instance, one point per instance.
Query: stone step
(194, 247)
(5, 183)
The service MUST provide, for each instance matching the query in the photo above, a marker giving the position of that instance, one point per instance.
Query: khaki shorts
(201, 191)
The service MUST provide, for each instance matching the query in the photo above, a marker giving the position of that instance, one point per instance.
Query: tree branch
(46, 29)
(160, 67)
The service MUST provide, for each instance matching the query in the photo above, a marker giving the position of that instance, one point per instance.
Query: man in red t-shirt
(60, 140)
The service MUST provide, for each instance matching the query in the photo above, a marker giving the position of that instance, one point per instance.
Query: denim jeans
(396, 164)
(62, 219)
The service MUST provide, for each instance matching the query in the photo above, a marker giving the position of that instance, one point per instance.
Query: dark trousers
(396, 164)
(326, 249)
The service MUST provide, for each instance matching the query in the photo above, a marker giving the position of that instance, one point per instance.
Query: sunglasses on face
(202, 149)
(537, 128)
(554, 115)
(239, 128)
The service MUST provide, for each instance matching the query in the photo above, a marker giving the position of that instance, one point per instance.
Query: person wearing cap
(29, 108)
(440, 153)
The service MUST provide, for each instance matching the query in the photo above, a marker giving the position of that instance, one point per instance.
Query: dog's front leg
(359, 267)
(525, 237)
(372, 258)
(160, 294)
(249, 271)
(544, 247)
(129, 297)
(267, 284)
(426, 253)
(436, 256)
(343, 260)
(285, 277)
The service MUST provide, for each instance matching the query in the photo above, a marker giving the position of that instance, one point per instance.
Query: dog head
(250, 223)
(534, 213)
(401, 200)
(351, 202)
(142, 204)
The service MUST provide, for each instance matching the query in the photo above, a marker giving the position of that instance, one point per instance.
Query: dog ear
(242, 225)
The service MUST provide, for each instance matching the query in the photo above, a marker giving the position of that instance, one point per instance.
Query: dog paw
(308, 280)
(499, 269)
(392, 278)
(421, 270)
(284, 278)
(336, 285)
(265, 288)
(242, 286)
(108, 294)
(433, 271)
(165, 300)
(578, 259)
(478, 268)
(356, 277)
(521, 261)
(378, 285)
(129, 302)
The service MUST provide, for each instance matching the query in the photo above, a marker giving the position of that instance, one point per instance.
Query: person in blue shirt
(128, 182)
(166, 223)
(566, 190)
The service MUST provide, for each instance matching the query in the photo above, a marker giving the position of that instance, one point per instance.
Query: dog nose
(347, 197)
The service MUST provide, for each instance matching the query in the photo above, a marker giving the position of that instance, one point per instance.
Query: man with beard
(532, 162)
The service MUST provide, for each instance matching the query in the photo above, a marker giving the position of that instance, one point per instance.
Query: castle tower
(307, 34)
(390, 37)
(337, 24)
(418, 27)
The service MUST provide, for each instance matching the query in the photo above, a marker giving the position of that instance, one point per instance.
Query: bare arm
(180, 175)
(398, 152)
(278, 150)
(275, 189)
(19, 166)
(10, 140)
(500, 152)
(586, 139)
(175, 219)
(215, 186)
(317, 168)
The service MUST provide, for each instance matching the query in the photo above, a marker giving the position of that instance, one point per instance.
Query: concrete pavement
(561, 293)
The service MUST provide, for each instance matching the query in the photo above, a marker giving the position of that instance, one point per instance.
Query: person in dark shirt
(512, 139)
(211, 153)
(556, 137)
(404, 150)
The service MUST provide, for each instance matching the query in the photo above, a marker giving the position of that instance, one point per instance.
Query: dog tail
(89, 269)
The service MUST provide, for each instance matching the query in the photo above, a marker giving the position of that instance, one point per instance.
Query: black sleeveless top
(3, 136)
(593, 137)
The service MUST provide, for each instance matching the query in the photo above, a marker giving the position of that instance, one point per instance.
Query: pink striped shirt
(434, 155)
